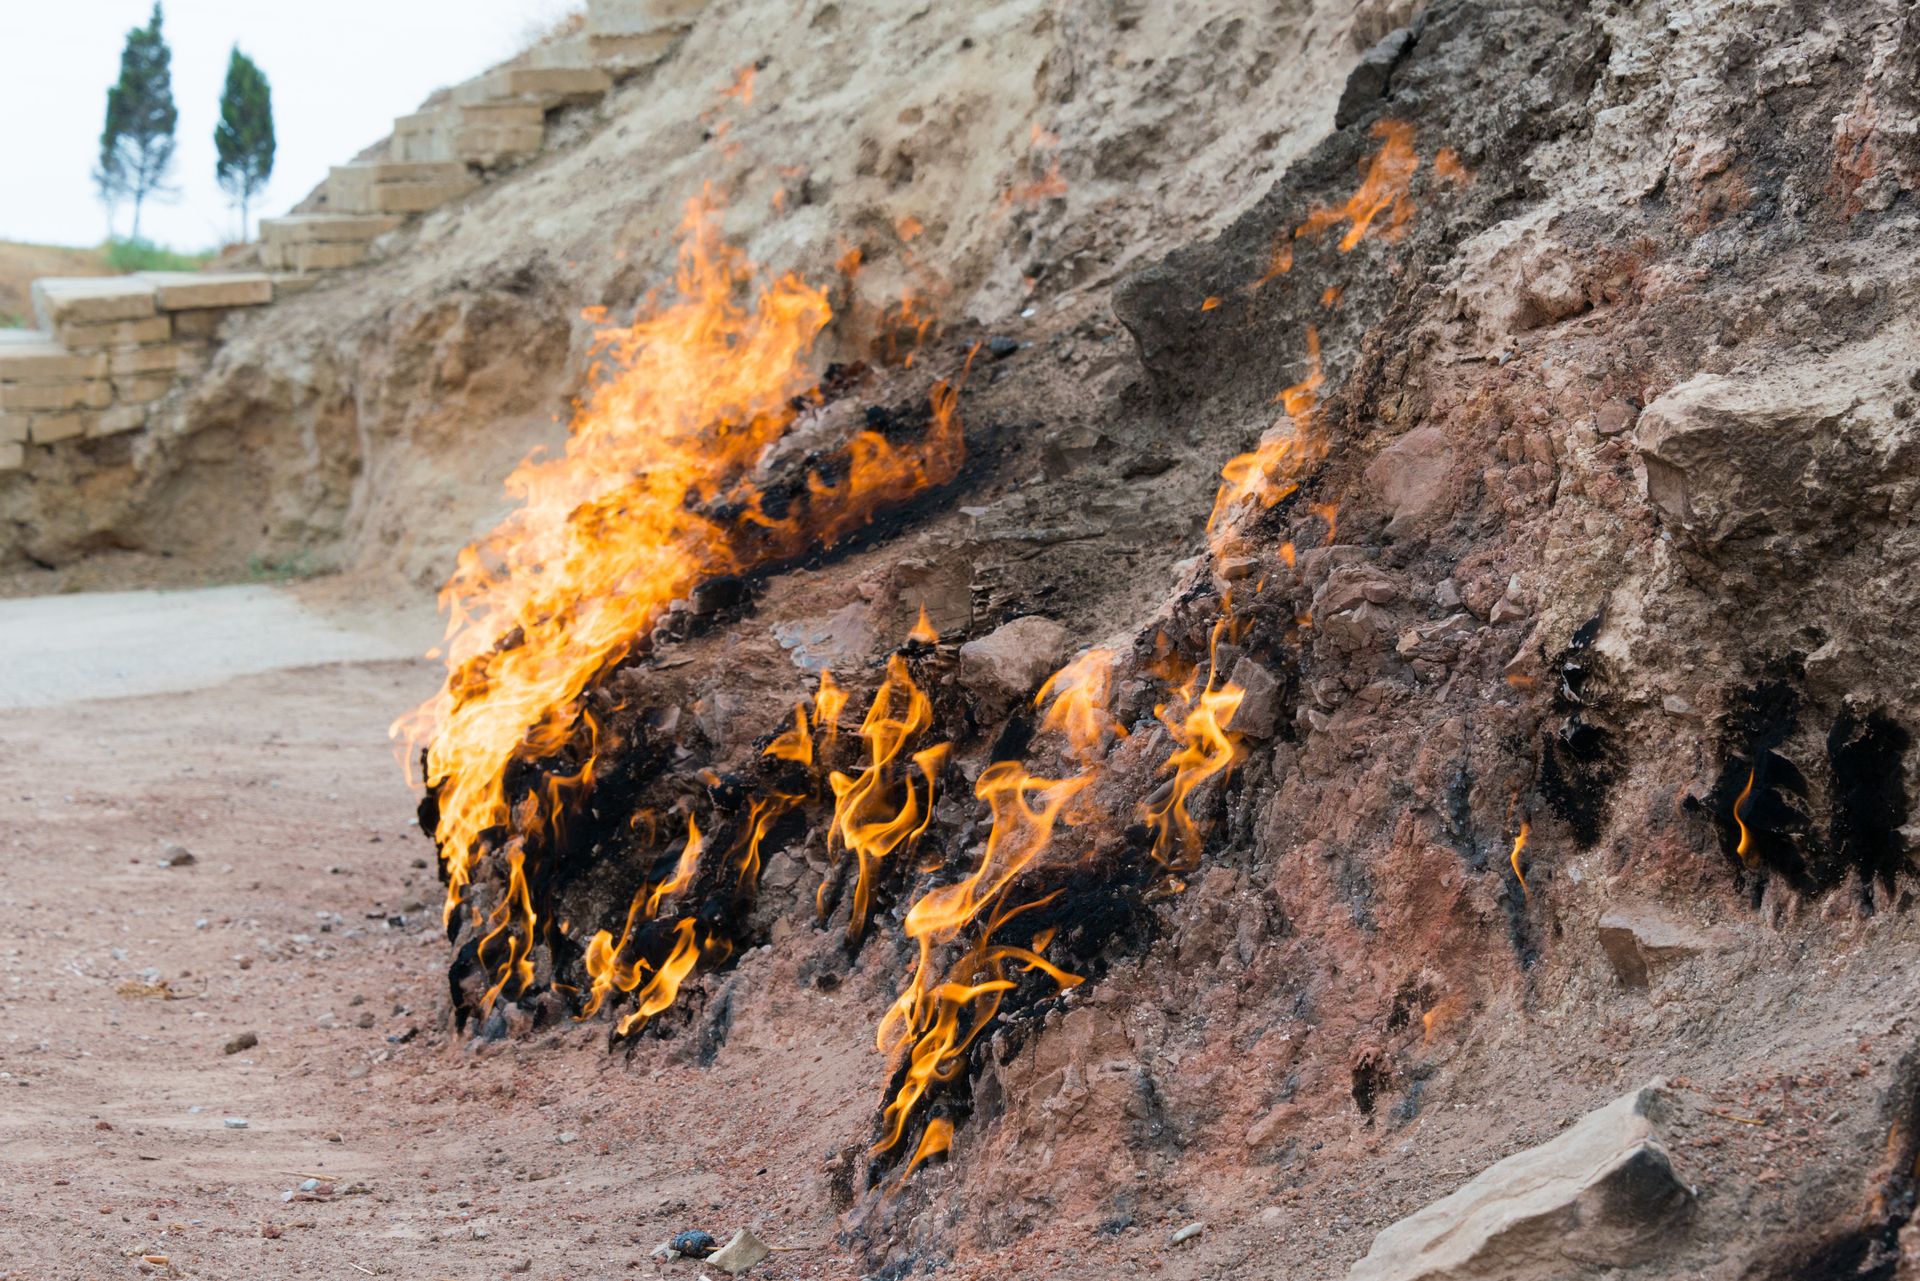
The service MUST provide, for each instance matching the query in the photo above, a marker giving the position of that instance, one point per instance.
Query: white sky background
(341, 70)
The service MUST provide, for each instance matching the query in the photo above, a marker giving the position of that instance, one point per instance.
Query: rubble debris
(240, 1041)
(1603, 1194)
(1186, 1234)
(741, 1252)
(174, 855)
(693, 1243)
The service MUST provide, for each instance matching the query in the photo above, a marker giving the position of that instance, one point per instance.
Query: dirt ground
(309, 918)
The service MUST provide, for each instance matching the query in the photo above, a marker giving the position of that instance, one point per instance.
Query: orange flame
(938, 1138)
(684, 404)
(683, 870)
(517, 967)
(762, 814)
(1520, 843)
(866, 818)
(925, 1021)
(1329, 512)
(923, 631)
(1382, 192)
(1745, 848)
(1206, 748)
(1075, 698)
(795, 744)
(664, 986)
(1272, 470)
(827, 702)
(742, 86)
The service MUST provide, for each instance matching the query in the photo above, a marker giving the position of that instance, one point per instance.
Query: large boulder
(1800, 452)
(1602, 1195)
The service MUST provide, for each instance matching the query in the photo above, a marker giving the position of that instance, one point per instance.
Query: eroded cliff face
(1616, 433)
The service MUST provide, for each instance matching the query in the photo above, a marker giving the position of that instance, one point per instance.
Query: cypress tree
(244, 136)
(136, 146)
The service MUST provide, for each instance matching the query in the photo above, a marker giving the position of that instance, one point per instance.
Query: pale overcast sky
(340, 71)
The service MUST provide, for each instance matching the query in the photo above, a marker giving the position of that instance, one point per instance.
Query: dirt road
(140, 1134)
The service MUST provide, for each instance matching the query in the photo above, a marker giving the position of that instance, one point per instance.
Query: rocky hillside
(1520, 723)
(1024, 157)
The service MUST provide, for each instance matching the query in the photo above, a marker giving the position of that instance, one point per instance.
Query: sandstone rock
(47, 428)
(1351, 586)
(740, 1253)
(120, 418)
(1602, 1195)
(1640, 938)
(181, 290)
(32, 356)
(90, 336)
(1410, 477)
(82, 393)
(1795, 451)
(1009, 663)
(1259, 710)
(1507, 610)
(1613, 418)
(91, 300)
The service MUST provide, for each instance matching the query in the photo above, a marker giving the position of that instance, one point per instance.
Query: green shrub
(144, 255)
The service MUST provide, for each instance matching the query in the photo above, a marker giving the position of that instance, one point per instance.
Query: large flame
(1204, 749)
(879, 809)
(684, 404)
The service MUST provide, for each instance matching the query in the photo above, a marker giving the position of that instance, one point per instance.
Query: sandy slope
(21, 264)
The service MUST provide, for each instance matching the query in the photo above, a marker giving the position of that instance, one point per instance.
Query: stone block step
(550, 86)
(157, 358)
(305, 257)
(484, 134)
(380, 171)
(69, 300)
(640, 17)
(617, 55)
(397, 187)
(326, 228)
(35, 357)
(399, 197)
(185, 290)
(113, 333)
(45, 429)
(120, 418)
(74, 393)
